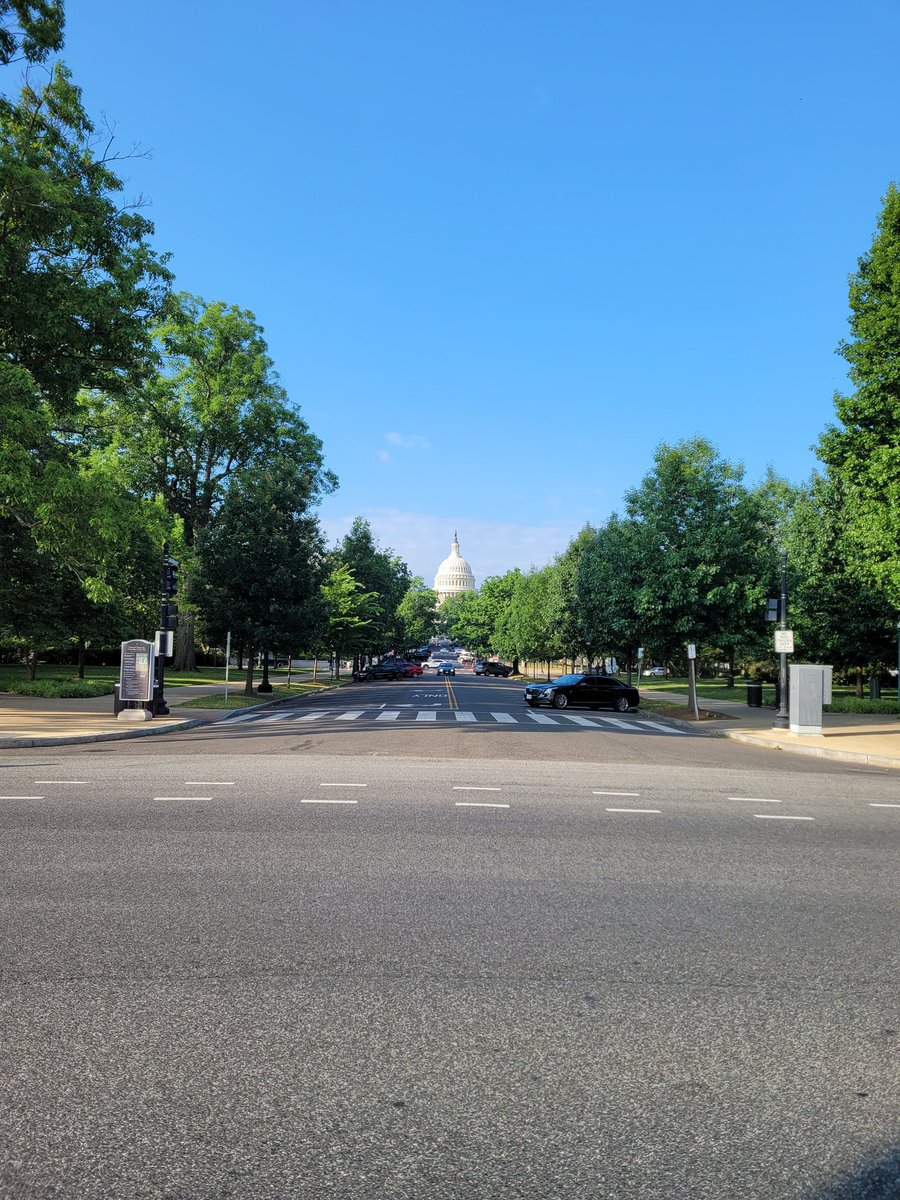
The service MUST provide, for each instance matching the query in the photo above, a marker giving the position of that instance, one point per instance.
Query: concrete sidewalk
(871, 739)
(36, 721)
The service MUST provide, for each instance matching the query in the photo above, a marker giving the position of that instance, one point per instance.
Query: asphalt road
(361, 958)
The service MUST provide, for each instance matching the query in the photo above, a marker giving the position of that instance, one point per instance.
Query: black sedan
(395, 670)
(588, 691)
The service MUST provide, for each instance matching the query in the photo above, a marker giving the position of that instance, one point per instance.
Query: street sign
(692, 650)
(772, 610)
(640, 652)
(784, 641)
(136, 672)
(165, 643)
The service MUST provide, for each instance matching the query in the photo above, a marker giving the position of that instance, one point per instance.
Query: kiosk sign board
(136, 674)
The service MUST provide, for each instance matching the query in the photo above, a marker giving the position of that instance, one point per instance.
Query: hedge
(61, 689)
(852, 704)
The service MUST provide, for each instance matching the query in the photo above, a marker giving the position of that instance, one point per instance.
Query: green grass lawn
(9, 674)
(717, 689)
(237, 699)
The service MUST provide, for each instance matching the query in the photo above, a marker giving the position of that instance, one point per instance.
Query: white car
(654, 672)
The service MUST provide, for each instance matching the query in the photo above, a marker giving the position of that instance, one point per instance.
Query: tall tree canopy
(863, 452)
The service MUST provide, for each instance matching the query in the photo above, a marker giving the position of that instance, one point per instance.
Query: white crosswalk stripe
(664, 728)
(460, 716)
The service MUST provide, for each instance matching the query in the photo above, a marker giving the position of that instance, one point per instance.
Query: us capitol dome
(454, 575)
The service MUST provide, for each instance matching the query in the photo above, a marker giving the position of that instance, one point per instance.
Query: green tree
(30, 29)
(700, 542)
(78, 284)
(214, 412)
(863, 452)
(379, 571)
(836, 617)
(609, 579)
(259, 569)
(417, 613)
(350, 612)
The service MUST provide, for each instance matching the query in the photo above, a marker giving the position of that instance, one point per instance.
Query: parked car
(486, 667)
(391, 670)
(446, 668)
(655, 672)
(589, 691)
(413, 669)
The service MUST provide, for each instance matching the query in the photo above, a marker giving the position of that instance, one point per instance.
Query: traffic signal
(772, 610)
(170, 576)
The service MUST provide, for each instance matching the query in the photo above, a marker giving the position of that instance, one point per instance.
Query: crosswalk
(448, 716)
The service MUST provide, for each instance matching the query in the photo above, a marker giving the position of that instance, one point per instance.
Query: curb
(852, 756)
(121, 735)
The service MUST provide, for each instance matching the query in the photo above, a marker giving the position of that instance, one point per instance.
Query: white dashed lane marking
(389, 715)
(472, 788)
(504, 718)
(871, 805)
(318, 800)
(350, 716)
(426, 715)
(541, 719)
(478, 804)
(21, 797)
(210, 783)
(780, 817)
(462, 715)
(754, 800)
(343, 785)
(654, 811)
(617, 793)
(45, 782)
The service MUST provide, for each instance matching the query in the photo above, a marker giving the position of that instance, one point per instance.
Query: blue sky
(502, 250)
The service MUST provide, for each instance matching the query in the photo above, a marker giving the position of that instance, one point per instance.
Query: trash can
(874, 688)
(754, 695)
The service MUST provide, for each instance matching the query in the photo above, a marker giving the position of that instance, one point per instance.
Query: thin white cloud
(409, 441)
(384, 456)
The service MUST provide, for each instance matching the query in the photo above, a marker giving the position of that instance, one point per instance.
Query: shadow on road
(878, 1179)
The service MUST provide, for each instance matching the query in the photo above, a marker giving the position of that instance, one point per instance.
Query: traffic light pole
(162, 709)
(782, 720)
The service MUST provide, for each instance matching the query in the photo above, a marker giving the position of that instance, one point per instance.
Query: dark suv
(483, 667)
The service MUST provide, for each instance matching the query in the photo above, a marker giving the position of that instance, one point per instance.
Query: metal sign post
(227, 659)
(692, 680)
(781, 719)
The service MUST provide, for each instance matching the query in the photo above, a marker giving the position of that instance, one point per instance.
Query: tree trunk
(515, 665)
(859, 686)
(185, 652)
(32, 665)
(82, 654)
(248, 681)
(239, 665)
(731, 670)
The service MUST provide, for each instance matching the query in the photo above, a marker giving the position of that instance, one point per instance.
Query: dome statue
(454, 574)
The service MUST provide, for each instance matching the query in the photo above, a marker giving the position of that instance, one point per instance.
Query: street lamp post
(782, 720)
(898, 662)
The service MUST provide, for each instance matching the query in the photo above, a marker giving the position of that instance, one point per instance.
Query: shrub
(61, 689)
(851, 704)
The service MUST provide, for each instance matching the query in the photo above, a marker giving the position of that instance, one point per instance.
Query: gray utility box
(810, 688)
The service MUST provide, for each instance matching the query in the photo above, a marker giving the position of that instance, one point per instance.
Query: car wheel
(622, 705)
(561, 700)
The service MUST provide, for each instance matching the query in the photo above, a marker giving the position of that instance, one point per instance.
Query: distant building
(454, 575)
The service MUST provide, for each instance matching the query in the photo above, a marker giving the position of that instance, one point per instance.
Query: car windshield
(569, 679)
